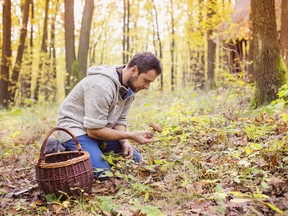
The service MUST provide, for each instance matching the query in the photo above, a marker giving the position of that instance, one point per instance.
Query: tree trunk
(124, 33)
(284, 31)
(70, 54)
(85, 36)
(128, 31)
(6, 54)
(159, 42)
(211, 49)
(43, 53)
(211, 62)
(51, 91)
(126, 27)
(21, 47)
(269, 67)
(26, 78)
(172, 48)
(198, 79)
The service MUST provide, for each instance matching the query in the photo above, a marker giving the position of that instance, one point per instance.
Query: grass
(215, 156)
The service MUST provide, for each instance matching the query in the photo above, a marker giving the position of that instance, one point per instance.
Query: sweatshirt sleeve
(98, 98)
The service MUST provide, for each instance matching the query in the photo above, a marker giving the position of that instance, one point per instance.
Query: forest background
(221, 99)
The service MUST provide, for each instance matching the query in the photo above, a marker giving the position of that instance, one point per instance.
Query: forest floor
(215, 156)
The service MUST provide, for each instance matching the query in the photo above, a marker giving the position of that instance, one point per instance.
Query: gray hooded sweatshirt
(99, 100)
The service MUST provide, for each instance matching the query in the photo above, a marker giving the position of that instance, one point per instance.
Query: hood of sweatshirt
(110, 71)
(106, 71)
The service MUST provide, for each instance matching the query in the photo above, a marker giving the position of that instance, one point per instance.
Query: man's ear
(134, 70)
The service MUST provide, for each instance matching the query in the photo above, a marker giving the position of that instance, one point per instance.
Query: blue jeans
(96, 148)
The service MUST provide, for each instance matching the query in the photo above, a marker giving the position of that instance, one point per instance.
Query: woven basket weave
(69, 171)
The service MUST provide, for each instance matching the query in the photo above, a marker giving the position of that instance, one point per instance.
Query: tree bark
(21, 48)
(126, 27)
(43, 53)
(172, 48)
(284, 31)
(6, 54)
(198, 79)
(268, 62)
(159, 42)
(26, 79)
(211, 84)
(128, 31)
(124, 33)
(85, 36)
(50, 93)
(70, 54)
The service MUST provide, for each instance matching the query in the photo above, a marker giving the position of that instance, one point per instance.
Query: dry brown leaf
(199, 204)
(38, 202)
(273, 161)
(159, 185)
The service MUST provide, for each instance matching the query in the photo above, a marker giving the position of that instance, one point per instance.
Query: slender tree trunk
(43, 53)
(159, 43)
(284, 31)
(199, 74)
(27, 78)
(269, 67)
(211, 49)
(50, 93)
(211, 62)
(172, 48)
(124, 33)
(21, 47)
(70, 54)
(128, 31)
(85, 36)
(126, 27)
(6, 54)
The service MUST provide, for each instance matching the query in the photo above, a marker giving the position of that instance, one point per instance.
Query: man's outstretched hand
(141, 137)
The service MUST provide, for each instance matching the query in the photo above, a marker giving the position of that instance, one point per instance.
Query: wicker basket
(69, 171)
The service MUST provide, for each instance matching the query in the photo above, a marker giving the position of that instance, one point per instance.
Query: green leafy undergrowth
(215, 156)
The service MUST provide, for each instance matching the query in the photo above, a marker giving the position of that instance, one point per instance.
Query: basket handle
(42, 154)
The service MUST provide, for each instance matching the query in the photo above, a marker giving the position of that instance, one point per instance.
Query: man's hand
(141, 137)
(127, 150)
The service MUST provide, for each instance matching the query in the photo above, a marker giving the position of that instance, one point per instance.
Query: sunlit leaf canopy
(178, 32)
(107, 24)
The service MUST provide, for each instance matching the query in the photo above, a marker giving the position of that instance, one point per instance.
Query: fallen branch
(18, 193)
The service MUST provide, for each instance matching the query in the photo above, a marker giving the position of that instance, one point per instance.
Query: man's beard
(131, 83)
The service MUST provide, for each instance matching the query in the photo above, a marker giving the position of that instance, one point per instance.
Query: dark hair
(145, 61)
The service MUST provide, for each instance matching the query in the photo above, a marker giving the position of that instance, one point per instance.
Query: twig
(18, 193)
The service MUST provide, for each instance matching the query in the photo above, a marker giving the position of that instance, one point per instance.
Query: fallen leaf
(56, 208)
(38, 202)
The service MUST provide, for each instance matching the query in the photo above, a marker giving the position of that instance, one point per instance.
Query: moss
(255, 101)
(281, 71)
(252, 104)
